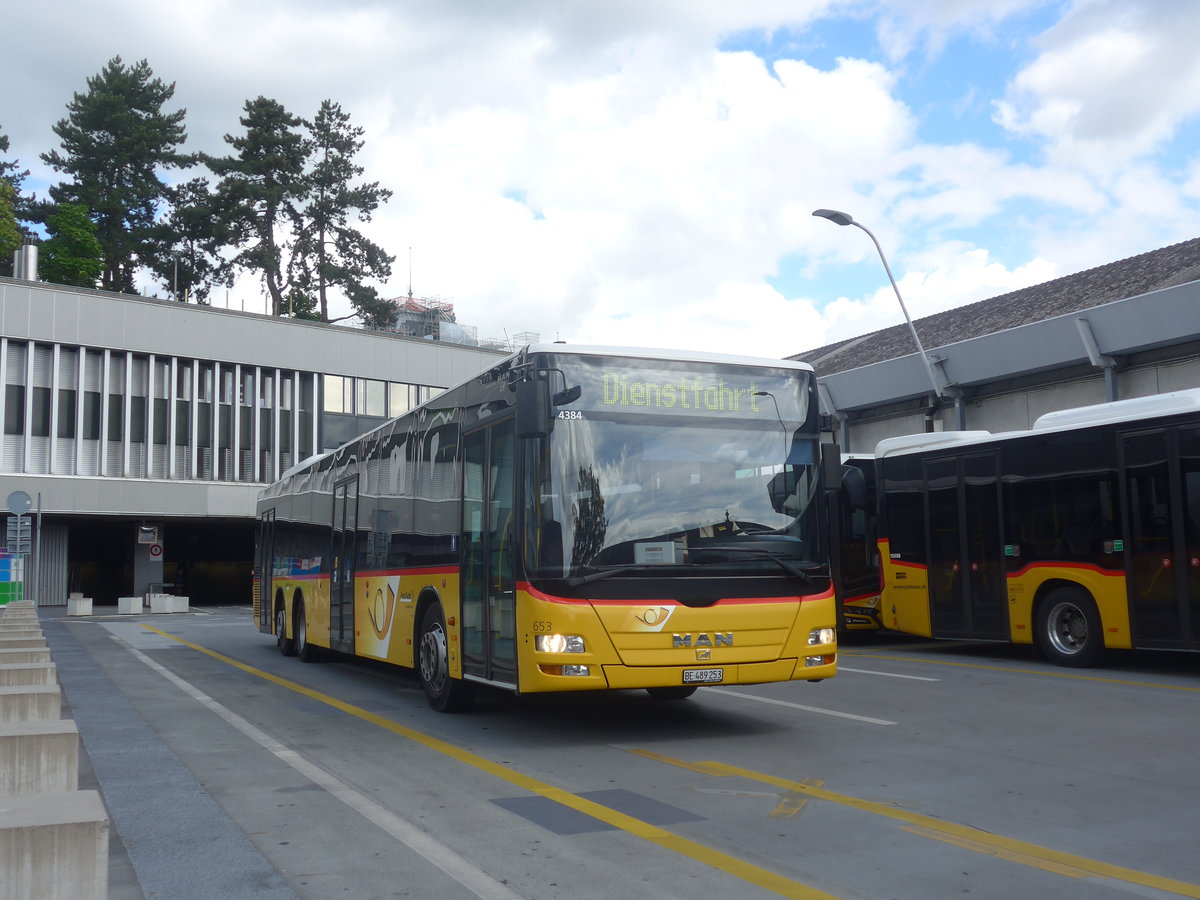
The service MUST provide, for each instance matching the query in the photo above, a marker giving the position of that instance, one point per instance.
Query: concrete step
(30, 702)
(39, 757)
(53, 846)
(13, 674)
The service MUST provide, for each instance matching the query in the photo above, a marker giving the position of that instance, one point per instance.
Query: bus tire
(286, 645)
(444, 693)
(1068, 628)
(672, 693)
(304, 650)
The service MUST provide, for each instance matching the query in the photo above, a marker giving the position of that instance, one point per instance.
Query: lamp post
(842, 218)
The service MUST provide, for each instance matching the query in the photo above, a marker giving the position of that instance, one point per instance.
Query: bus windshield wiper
(789, 567)
(577, 580)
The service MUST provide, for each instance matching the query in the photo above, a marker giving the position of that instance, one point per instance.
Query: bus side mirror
(533, 408)
(781, 488)
(831, 466)
(854, 484)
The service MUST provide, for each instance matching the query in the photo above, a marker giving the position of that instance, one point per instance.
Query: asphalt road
(924, 770)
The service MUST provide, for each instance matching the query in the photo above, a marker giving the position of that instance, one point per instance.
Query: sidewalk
(168, 838)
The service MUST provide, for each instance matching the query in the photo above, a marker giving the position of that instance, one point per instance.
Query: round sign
(19, 503)
(155, 551)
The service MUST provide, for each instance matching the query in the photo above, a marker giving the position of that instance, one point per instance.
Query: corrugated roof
(1158, 269)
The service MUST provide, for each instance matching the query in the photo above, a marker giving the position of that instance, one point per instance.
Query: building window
(41, 412)
(14, 409)
(66, 414)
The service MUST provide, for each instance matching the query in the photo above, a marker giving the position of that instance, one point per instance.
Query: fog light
(820, 636)
(565, 670)
(820, 660)
(559, 643)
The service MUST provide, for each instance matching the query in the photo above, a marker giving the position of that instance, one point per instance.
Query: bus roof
(1173, 403)
(673, 355)
(1135, 409)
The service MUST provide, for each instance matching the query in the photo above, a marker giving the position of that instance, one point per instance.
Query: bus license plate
(703, 676)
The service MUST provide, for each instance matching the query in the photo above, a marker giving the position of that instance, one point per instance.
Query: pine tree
(72, 254)
(332, 253)
(190, 241)
(115, 140)
(259, 195)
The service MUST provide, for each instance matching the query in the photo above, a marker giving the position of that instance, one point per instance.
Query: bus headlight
(820, 636)
(559, 643)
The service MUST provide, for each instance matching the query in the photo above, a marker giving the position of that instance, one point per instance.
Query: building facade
(143, 429)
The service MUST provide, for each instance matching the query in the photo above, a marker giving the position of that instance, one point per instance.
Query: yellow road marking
(1046, 673)
(968, 837)
(725, 862)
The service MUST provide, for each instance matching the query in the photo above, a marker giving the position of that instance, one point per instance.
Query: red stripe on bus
(1090, 567)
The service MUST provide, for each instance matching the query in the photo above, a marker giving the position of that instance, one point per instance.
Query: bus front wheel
(285, 644)
(1069, 630)
(444, 693)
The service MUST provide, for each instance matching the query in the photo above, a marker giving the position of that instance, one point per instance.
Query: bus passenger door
(488, 590)
(968, 594)
(1162, 502)
(264, 570)
(341, 579)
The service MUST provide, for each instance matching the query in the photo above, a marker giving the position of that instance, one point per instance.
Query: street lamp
(841, 218)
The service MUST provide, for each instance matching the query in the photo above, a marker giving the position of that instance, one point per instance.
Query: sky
(643, 173)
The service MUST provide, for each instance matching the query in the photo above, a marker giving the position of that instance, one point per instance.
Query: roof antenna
(410, 273)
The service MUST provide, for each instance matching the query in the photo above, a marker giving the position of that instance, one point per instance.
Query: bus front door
(968, 596)
(1162, 503)
(488, 592)
(341, 579)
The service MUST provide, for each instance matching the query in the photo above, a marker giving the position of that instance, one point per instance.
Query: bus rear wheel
(444, 693)
(306, 651)
(1069, 631)
(285, 644)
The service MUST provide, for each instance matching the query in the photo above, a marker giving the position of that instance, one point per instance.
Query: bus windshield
(672, 465)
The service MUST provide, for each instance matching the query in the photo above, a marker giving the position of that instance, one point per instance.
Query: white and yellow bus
(570, 519)
(1080, 534)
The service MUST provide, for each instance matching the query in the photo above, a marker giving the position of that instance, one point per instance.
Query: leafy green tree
(10, 235)
(332, 253)
(259, 194)
(189, 243)
(12, 207)
(72, 254)
(115, 141)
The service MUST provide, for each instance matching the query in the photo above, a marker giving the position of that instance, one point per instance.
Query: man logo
(719, 639)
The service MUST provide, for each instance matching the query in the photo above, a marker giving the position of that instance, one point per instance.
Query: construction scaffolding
(434, 320)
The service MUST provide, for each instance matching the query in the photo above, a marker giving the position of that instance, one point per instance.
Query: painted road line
(801, 706)
(967, 837)
(842, 668)
(731, 865)
(1046, 673)
(457, 867)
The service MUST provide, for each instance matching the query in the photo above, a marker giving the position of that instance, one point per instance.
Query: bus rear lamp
(565, 670)
(820, 636)
(559, 643)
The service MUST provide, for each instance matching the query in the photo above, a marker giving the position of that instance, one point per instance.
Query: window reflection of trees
(589, 524)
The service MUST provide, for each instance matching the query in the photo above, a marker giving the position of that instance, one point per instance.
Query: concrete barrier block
(130, 606)
(39, 757)
(54, 846)
(24, 655)
(79, 606)
(13, 643)
(168, 603)
(30, 703)
(16, 674)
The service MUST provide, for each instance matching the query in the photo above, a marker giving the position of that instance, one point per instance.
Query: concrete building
(145, 428)
(1126, 329)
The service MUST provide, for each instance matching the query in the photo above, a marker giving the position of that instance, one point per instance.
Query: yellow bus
(1080, 534)
(570, 519)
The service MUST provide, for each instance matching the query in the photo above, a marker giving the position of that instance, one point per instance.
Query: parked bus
(1080, 534)
(571, 519)
(854, 550)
